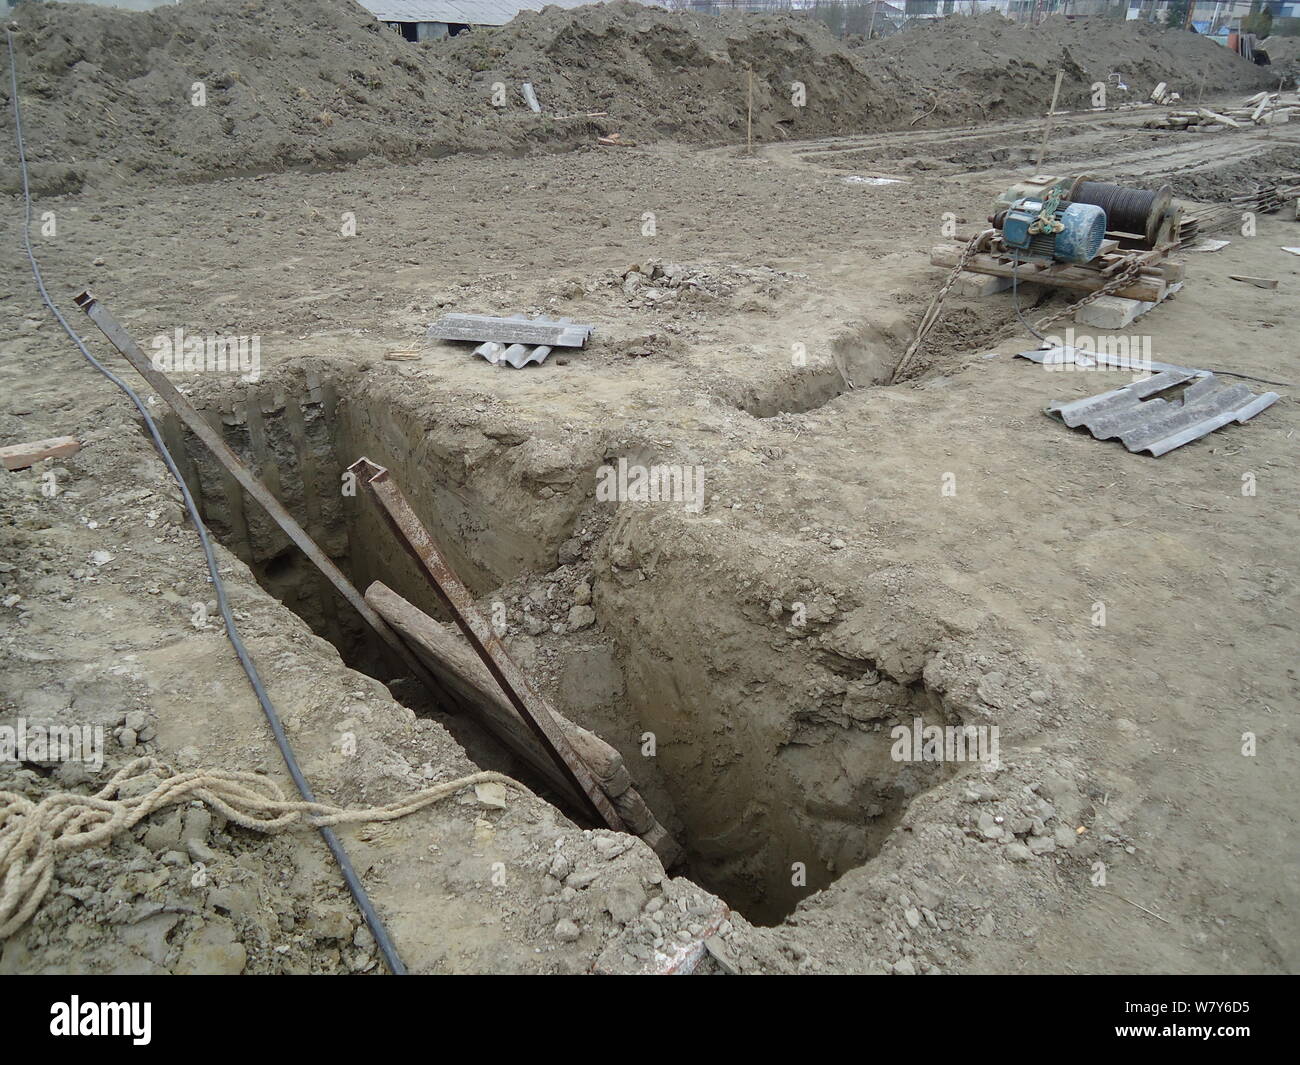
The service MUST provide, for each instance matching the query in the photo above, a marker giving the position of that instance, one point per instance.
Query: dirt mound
(111, 94)
(1283, 53)
(987, 67)
(108, 93)
(677, 74)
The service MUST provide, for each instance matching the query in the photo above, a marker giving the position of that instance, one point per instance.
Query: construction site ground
(866, 553)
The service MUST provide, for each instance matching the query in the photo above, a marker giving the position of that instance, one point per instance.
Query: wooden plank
(1173, 272)
(461, 672)
(239, 542)
(308, 476)
(173, 434)
(1214, 116)
(1258, 282)
(263, 460)
(531, 704)
(21, 456)
(458, 668)
(1074, 277)
(1047, 123)
(974, 286)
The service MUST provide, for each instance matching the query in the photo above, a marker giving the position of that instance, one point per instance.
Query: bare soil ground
(829, 589)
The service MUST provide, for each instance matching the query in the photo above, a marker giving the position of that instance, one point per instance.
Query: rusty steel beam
(198, 425)
(530, 704)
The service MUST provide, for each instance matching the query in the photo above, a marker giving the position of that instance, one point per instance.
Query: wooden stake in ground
(1047, 126)
(749, 117)
(1273, 107)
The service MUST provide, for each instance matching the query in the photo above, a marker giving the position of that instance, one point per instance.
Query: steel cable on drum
(1127, 210)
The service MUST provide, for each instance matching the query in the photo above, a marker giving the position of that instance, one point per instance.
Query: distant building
(432, 20)
(1211, 16)
(125, 5)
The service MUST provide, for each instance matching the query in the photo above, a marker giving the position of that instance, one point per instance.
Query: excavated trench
(862, 354)
(772, 770)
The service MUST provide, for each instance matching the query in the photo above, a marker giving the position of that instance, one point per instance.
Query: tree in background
(1176, 14)
(831, 15)
(1259, 21)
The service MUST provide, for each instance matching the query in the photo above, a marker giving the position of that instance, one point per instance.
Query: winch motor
(1053, 228)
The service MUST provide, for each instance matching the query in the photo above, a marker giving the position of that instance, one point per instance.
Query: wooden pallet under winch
(1155, 280)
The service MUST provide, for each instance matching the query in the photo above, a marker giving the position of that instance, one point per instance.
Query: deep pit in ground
(773, 792)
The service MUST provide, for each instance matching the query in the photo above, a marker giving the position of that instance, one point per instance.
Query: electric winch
(1068, 219)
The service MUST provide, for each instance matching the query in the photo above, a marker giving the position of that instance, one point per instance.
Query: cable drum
(1137, 211)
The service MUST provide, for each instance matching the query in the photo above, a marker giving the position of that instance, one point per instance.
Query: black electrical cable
(1015, 303)
(1249, 377)
(1015, 296)
(372, 919)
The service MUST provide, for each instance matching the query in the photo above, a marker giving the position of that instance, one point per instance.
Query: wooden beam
(456, 665)
(459, 669)
(1146, 288)
(20, 456)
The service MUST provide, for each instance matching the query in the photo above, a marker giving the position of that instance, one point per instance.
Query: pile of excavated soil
(110, 94)
(680, 75)
(1283, 54)
(988, 67)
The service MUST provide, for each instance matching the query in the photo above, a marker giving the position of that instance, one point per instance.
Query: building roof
(469, 12)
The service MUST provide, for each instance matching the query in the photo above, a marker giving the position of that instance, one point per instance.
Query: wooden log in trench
(459, 669)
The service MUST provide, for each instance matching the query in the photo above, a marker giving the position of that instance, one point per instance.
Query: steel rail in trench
(125, 343)
(373, 921)
(531, 705)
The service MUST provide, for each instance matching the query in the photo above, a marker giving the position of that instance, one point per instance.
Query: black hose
(372, 919)
(1015, 303)
(1250, 377)
(1015, 296)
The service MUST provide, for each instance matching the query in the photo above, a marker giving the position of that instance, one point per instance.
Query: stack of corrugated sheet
(1144, 422)
(515, 341)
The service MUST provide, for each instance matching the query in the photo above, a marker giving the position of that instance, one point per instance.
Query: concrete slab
(1112, 312)
(974, 285)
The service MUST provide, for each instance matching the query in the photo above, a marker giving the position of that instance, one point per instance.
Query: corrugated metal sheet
(1145, 422)
(516, 355)
(469, 12)
(1055, 357)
